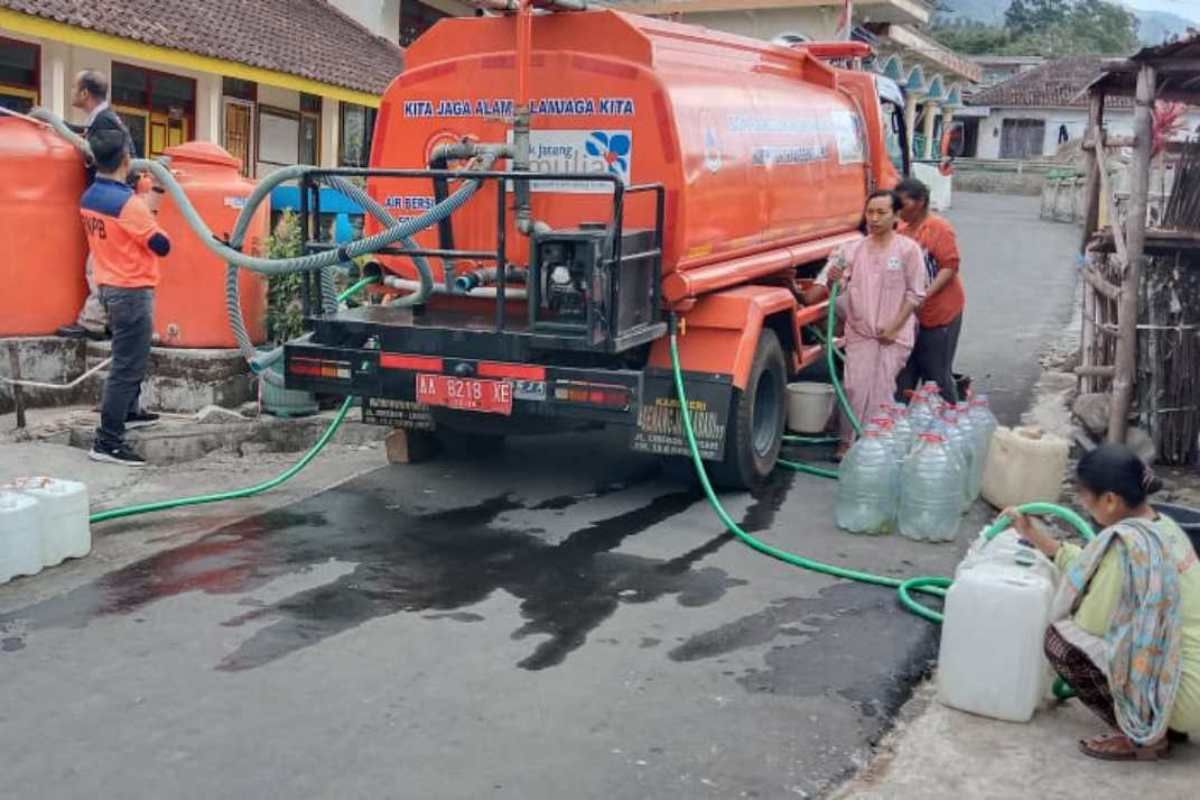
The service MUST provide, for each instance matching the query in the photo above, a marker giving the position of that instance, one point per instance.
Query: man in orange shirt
(126, 245)
(940, 316)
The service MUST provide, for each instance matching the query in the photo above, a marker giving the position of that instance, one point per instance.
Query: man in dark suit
(91, 96)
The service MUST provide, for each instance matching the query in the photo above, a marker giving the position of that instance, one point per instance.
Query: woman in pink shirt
(884, 282)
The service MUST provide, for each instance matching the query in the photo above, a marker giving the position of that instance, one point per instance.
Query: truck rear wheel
(755, 430)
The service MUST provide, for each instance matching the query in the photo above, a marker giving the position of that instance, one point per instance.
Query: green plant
(285, 318)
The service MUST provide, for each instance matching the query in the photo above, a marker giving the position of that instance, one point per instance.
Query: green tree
(285, 319)
(1048, 27)
(1027, 16)
(1109, 28)
(972, 38)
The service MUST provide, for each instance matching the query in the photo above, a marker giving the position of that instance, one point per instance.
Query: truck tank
(756, 145)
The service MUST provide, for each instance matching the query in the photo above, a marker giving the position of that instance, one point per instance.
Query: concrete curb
(178, 441)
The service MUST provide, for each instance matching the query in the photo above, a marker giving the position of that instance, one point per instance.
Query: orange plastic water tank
(41, 181)
(189, 307)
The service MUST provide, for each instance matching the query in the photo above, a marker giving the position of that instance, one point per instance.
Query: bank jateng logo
(613, 148)
(584, 151)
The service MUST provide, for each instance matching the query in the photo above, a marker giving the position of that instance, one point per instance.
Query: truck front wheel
(755, 429)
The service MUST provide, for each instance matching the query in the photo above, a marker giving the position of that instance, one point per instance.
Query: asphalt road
(559, 620)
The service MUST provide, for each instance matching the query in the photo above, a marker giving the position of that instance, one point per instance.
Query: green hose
(354, 288)
(830, 327)
(248, 491)
(233, 494)
(932, 585)
(810, 439)
(800, 466)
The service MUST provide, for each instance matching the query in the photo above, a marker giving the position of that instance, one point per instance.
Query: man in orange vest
(126, 245)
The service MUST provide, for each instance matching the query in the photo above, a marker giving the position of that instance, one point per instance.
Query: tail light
(320, 368)
(594, 394)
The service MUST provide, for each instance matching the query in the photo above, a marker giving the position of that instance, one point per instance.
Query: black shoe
(141, 419)
(72, 332)
(121, 454)
(80, 332)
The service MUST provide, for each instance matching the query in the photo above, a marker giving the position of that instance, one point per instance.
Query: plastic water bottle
(960, 441)
(931, 491)
(902, 432)
(933, 394)
(885, 428)
(868, 484)
(920, 413)
(967, 426)
(983, 425)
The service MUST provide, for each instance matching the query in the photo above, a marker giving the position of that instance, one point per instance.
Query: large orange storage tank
(189, 306)
(757, 146)
(44, 249)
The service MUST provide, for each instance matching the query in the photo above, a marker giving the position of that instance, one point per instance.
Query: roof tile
(1055, 84)
(307, 38)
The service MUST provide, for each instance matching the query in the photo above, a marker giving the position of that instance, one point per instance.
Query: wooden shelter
(1141, 300)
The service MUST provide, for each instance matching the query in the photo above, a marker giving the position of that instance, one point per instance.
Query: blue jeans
(131, 320)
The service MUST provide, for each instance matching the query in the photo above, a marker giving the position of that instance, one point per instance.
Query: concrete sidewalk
(936, 752)
(120, 542)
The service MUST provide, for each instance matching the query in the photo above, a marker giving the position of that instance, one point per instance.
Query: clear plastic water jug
(902, 432)
(885, 427)
(20, 536)
(933, 394)
(967, 425)
(997, 610)
(983, 425)
(931, 491)
(868, 486)
(960, 441)
(920, 413)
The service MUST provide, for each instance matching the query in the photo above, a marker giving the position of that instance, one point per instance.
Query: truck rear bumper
(642, 401)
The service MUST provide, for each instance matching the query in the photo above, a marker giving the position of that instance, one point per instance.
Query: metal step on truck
(629, 174)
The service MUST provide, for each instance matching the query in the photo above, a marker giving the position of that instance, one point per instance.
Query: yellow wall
(61, 62)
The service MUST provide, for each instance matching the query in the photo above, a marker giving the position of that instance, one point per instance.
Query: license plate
(465, 394)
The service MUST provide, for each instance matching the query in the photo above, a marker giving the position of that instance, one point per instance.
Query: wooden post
(14, 363)
(1087, 356)
(1135, 241)
(1091, 220)
(1094, 135)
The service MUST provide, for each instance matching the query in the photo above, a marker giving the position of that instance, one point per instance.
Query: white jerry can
(63, 512)
(20, 539)
(991, 661)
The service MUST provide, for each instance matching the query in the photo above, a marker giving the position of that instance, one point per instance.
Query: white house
(1030, 115)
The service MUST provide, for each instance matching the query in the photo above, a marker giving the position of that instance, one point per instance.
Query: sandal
(1119, 747)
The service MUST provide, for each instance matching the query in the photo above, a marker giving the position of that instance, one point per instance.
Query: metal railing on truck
(615, 338)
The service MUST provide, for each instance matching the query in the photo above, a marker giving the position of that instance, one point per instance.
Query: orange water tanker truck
(646, 173)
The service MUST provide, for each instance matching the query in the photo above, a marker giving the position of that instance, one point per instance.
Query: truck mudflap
(659, 428)
(643, 401)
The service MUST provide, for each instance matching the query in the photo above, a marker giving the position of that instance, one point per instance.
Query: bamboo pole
(1101, 284)
(1127, 315)
(1091, 220)
(1087, 356)
(1109, 194)
(1095, 136)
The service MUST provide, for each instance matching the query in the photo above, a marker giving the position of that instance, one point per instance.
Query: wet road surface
(579, 626)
